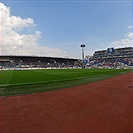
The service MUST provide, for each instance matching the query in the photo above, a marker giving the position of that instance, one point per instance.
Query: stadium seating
(7, 62)
(121, 57)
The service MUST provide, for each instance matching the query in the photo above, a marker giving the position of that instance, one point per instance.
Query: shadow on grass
(48, 86)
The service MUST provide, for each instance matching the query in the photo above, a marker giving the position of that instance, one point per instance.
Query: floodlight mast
(82, 46)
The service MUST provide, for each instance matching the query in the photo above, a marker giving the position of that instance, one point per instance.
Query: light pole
(82, 47)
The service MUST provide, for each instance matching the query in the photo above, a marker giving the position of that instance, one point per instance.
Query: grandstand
(109, 58)
(25, 62)
(112, 58)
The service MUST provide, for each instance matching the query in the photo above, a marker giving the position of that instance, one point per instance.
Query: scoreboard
(110, 50)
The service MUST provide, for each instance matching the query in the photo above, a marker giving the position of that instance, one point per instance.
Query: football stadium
(38, 72)
(65, 94)
(66, 66)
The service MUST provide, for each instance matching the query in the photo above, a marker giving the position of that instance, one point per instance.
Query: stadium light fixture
(82, 47)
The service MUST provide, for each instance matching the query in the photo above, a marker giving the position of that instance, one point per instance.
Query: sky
(57, 28)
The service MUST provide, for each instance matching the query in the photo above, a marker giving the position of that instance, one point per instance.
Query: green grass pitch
(17, 82)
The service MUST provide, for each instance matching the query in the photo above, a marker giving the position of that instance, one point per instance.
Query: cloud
(130, 35)
(130, 27)
(14, 43)
(125, 42)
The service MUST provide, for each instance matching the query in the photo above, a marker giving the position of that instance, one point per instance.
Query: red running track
(101, 107)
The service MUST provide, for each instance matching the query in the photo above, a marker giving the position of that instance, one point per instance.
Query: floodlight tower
(82, 47)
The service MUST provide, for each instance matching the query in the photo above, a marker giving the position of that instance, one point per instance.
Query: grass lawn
(17, 82)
